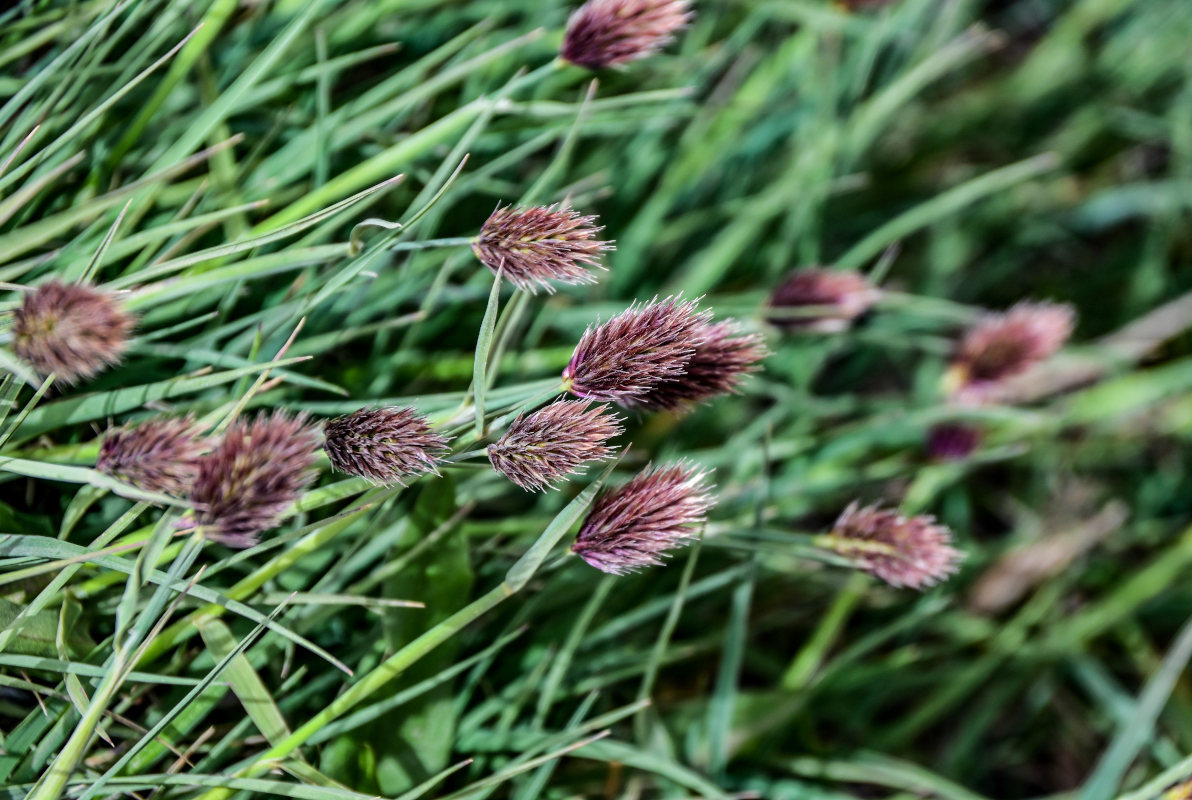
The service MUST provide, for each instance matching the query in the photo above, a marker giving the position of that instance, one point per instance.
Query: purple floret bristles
(531, 247)
(723, 358)
(158, 455)
(256, 472)
(548, 445)
(912, 552)
(636, 525)
(609, 33)
(385, 446)
(72, 331)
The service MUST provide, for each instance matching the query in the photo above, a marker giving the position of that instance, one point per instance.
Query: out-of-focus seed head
(1002, 346)
(554, 442)
(634, 526)
(534, 246)
(383, 445)
(913, 552)
(73, 331)
(608, 33)
(158, 455)
(254, 474)
(635, 351)
(952, 441)
(834, 298)
(719, 363)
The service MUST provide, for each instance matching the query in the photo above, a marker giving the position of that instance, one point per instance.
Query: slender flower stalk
(533, 246)
(609, 33)
(554, 442)
(720, 361)
(630, 355)
(634, 526)
(1002, 346)
(385, 446)
(158, 455)
(72, 331)
(839, 297)
(253, 475)
(911, 552)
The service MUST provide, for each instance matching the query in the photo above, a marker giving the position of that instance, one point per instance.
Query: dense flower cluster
(550, 444)
(159, 455)
(383, 445)
(821, 300)
(1002, 346)
(72, 331)
(903, 551)
(609, 33)
(533, 246)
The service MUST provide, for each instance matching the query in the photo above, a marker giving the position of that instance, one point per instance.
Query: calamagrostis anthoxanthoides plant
(723, 357)
(630, 355)
(533, 246)
(609, 33)
(913, 552)
(1001, 346)
(384, 446)
(252, 476)
(157, 455)
(634, 526)
(554, 442)
(72, 331)
(837, 296)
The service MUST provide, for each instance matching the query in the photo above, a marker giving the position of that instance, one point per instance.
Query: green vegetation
(236, 170)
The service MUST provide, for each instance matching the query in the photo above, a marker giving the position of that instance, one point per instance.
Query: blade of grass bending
(484, 343)
(228, 659)
(84, 475)
(33, 401)
(399, 662)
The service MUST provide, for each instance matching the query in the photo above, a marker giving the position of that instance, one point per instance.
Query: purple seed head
(158, 455)
(554, 442)
(254, 474)
(609, 33)
(721, 360)
(952, 441)
(631, 354)
(843, 296)
(534, 246)
(73, 331)
(383, 445)
(1002, 346)
(913, 552)
(634, 526)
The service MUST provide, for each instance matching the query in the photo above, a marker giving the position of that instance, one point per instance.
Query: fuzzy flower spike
(73, 331)
(634, 526)
(534, 246)
(1002, 346)
(609, 33)
(721, 360)
(841, 296)
(383, 445)
(630, 355)
(552, 443)
(158, 455)
(255, 473)
(912, 552)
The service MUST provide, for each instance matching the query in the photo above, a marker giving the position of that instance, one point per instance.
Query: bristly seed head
(383, 445)
(1002, 346)
(73, 331)
(254, 474)
(554, 442)
(634, 526)
(533, 246)
(719, 363)
(608, 33)
(913, 552)
(842, 296)
(952, 441)
(158, 455)
(635, 351)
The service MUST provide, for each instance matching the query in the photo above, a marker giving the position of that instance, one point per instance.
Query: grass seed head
(534, 246)
(1002, 346)
(73, 331)
(634, 526)
(554, 442)
(844, 295)
(719, 363)
(383, 445)
(911, 552)
(158, 455)
(255, 473)
(630, 355)
(609, 33)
